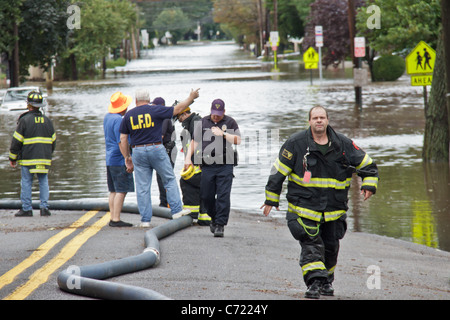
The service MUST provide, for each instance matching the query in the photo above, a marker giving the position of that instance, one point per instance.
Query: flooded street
(412, 199)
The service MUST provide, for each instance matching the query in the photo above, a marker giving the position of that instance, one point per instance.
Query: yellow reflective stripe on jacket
(370, 182)
(34, 140)
(317, 265)
(321, 182)
(366, 161)
(39, 170)
(34, 162)
(315, 215)
(271, 196)
(282, 168)
(18, 136)
(13, 156)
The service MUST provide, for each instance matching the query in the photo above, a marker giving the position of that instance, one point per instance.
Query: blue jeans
(145, 159)
(26, 184)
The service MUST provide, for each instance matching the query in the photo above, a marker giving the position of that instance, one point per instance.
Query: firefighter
(32, 147)
(319, 164)
(191, 178)
(214, 139)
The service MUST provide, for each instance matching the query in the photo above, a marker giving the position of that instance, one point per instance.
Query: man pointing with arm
(143, 124)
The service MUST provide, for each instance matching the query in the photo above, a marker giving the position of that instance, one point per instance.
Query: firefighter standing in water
(319, 164)
(191, 178)
(32, 147)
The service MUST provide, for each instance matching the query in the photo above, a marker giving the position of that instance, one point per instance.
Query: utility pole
(445, 12)
(352, 33)
(260, 25)
(275, 15)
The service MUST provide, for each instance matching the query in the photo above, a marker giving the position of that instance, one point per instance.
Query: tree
(445, 14)
(436, 134)
(103, 26)
(196, 11)
(332, 15)
(240, 18)
(43, 33)
(404, 24)
(10, 18)
(174, 21)
(290, 21)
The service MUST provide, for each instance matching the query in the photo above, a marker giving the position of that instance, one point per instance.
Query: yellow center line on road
(41, 275)
(40, 252)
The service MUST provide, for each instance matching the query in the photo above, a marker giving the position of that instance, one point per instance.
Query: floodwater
(412, 200)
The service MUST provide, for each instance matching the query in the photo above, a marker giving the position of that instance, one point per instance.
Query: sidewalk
(258, 260)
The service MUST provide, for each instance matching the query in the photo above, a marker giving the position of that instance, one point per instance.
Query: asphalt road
(257, 260)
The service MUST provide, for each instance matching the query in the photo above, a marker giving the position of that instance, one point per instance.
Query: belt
(146, 145)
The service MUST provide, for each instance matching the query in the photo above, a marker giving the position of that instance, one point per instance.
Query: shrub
(388, 68)
(120, 62)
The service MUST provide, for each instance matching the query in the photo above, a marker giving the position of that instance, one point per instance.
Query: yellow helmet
(187, 174)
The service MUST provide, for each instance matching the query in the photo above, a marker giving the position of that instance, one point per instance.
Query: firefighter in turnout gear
(191, 179)
(319, 164)
(32, 147)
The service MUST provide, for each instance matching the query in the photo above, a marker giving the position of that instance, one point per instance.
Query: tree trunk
(445, 14)
(73, 67)
(436, 136)
(14, 66)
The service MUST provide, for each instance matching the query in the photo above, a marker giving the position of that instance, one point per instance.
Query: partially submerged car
(16, 98)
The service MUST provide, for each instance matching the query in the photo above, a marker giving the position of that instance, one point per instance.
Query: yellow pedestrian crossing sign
(311, 59)
(421, 60)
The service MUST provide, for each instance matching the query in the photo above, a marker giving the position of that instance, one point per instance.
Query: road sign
(421, 60)
(311, 65)
(311, 59)
(274, 39)
(310, 56)
(424, 80)
(319, 36)
(360, 77)
(360, 47)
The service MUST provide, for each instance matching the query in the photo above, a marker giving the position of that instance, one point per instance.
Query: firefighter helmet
(187, 174)
(35, 99)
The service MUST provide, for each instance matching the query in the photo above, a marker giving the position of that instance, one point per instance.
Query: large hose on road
(85, 205)
(85, 280)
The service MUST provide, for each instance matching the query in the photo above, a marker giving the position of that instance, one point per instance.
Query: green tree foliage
(196, 11)
(388, 68)
(103, 26)
(403, 24)
(43, 32)
(291, 18)
(174, 21)
(240, 18)
(10, 13)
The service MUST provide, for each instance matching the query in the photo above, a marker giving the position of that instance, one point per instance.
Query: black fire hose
(86, 280)
(85, 205)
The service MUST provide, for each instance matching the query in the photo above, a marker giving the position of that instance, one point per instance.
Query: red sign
(360, 47)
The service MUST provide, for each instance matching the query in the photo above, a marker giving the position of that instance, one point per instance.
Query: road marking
(41, 275)
(40, 252)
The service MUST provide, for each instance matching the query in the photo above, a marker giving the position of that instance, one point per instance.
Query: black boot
(327, 289)
(219, 231)
(313, 291)
(23, 213)
(45, 212)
